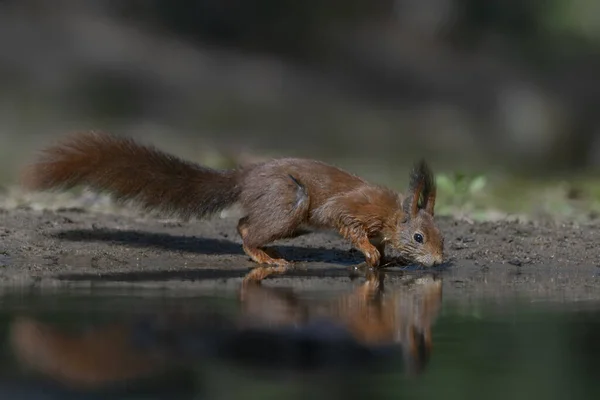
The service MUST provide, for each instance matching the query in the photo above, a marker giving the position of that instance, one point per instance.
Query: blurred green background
(501, 95)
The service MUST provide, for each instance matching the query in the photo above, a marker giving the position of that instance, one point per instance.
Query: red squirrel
(278, 197)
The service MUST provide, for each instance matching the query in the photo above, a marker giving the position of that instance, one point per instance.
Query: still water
(380, 337)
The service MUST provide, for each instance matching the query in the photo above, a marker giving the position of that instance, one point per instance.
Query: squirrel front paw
(373, 257)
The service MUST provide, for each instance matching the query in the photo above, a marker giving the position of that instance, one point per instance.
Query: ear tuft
(421, 189)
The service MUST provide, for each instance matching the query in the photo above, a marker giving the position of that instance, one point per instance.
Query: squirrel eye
(418, 238)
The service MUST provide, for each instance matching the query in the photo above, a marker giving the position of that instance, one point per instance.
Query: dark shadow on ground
(207, 246)
(163, 241)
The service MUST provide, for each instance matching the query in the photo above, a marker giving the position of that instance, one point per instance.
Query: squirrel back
(133, 172)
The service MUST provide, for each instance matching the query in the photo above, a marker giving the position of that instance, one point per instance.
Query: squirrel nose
(435, 260)
(431, 260)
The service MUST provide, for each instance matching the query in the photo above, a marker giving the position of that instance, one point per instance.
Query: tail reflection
(274, 327)
(93, 358)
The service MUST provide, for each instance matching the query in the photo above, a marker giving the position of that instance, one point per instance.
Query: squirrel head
(418, 239)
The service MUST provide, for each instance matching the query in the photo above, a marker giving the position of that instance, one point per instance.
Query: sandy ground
(73, 247)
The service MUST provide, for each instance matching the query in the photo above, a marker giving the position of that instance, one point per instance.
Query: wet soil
(501, 260)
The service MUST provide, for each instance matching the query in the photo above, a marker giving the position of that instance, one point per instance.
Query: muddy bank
(75, 247)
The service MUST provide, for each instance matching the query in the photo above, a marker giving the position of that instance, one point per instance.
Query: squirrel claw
(267, 257)
(372, 257)
(373, 262)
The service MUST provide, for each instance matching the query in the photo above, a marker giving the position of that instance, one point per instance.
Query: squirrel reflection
(401, 315)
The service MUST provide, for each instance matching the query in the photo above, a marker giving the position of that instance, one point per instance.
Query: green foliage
(479, 197)
(460, 187)
(458, 192)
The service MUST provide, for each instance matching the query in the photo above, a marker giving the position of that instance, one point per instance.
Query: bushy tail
(133, 172)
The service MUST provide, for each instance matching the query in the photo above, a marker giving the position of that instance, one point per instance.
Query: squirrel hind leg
(261, 255)
(255, 250)
(274, 213)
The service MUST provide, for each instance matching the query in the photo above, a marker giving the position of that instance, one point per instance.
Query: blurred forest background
(494, 85)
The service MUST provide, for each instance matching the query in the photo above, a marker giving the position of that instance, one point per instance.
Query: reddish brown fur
(153, 179)
(278, 196)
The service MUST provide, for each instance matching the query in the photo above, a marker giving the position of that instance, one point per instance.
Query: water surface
(379, 337)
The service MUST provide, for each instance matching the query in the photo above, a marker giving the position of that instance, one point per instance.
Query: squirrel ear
(423, 173)
(411, 202)
(430, 201)
(420, 185)
(414, 206)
